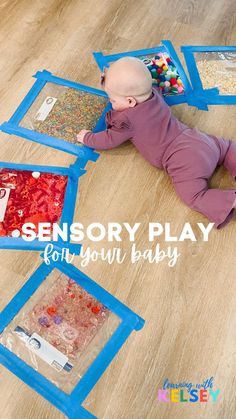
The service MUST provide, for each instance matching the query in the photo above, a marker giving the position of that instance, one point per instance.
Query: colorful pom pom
(164, 74)
(173, 81)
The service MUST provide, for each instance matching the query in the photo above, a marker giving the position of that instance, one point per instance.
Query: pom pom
(15, 233)
(164, 74)
(173, 81)
(36, 175)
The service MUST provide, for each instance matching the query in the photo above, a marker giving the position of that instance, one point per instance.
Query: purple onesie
(189, 156)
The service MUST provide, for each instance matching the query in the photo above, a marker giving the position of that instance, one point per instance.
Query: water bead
(95, 309)
(69, 334)
(51, 311)
(43, 321)
(15, 233)
(57, 319)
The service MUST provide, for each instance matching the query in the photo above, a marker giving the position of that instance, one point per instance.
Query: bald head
(129, 76)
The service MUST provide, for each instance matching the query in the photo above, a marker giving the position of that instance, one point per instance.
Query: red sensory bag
(27, 196)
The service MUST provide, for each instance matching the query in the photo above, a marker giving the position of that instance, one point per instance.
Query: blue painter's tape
(134, 53)
(50, 78)
(100, 60)
(13, 126)
(100, 364)
(27, 102)
(57, 143)
(207, 96)
(208, 48)
(70, 404)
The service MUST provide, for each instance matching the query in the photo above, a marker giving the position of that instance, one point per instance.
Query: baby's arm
(105, 140)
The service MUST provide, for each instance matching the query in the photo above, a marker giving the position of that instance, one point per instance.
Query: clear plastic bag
(27, 196)
(164, 73)
(61, 112)
(217, 69)
(60, 330)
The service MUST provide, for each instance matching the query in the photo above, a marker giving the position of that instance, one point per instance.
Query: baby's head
(127, 82)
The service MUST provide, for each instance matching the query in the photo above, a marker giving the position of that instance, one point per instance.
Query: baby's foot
(234, 204)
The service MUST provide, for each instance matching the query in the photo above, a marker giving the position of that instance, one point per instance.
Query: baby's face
(119, 103)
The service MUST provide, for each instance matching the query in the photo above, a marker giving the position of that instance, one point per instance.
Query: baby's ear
(132, 102)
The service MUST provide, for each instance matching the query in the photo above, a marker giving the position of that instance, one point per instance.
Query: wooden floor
(190, 309)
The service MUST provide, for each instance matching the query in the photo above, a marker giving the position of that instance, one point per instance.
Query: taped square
(55, 110)
(60, 332)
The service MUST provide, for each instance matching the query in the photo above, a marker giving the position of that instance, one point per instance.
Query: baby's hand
(80, 136)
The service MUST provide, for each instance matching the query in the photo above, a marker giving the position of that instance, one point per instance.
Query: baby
(189, 156)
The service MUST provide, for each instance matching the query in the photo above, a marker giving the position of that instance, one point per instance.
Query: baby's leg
(230, 159)
(216, 204)
(228, 155)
